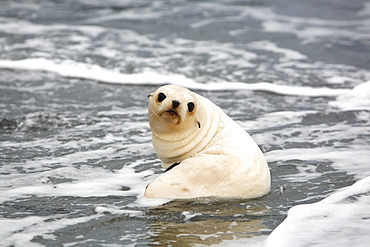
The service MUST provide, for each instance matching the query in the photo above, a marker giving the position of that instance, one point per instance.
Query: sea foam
(342, 219)
(356, 99)
(95, 72)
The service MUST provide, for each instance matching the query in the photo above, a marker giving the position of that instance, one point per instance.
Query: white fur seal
(205, 152)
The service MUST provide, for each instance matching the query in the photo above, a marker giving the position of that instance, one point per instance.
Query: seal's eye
(161, 97)
(191, 106)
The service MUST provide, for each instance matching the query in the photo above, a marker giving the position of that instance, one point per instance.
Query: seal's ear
(198, 124)
(150, 95)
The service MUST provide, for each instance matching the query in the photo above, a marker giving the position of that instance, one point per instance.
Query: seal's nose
(175, 104)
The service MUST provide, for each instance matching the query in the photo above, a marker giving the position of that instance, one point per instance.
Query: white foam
(76, 170)
(356, 99)
(274, 120)
(234, 61)
(86, 180)
(308, 29)
(351, 157)
(311, 29)
(339, 79)
(92, 72)
(215, 6)
(354, 159)
(269, 46)
(342, 219)
(16, 26)
(112, 210)
(91, 182)
(95, 72)
(21, 231)
(136, 14)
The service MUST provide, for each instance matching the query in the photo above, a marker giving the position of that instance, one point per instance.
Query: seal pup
(205, 152)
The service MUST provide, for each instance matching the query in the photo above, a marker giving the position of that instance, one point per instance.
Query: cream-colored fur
(218, 158)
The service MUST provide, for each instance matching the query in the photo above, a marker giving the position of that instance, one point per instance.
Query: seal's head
(172, 108)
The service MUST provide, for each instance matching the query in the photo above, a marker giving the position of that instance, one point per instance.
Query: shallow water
(76, 150)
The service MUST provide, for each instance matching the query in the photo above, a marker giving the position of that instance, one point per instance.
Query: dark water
(76, 151)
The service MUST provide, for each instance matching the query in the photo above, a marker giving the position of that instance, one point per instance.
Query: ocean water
(75, 144)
